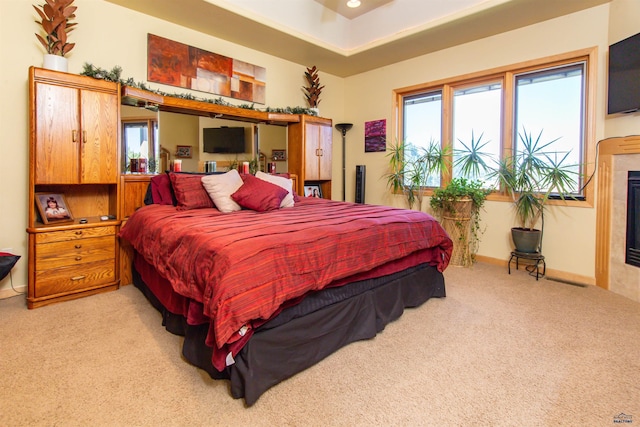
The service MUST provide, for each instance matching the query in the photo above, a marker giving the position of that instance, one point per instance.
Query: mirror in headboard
(140, 138)
(178, 129)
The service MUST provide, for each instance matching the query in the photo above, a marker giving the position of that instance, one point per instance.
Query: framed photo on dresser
(313, 190)
(53, 208)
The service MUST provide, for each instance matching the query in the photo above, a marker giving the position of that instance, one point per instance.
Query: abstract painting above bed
(243, 266)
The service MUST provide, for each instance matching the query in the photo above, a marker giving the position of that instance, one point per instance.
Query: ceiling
(344, 43)
(340, 6)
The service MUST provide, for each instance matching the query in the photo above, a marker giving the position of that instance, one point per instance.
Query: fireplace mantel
(607, 149)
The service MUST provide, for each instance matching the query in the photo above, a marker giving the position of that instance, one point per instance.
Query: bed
(261, 294)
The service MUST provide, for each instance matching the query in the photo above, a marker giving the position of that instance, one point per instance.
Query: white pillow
(220, 187)
(280, 181)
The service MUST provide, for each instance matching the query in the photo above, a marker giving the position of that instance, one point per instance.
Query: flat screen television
(624, 76)
(223, 140)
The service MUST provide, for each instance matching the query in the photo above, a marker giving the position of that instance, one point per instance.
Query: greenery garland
(115, 76)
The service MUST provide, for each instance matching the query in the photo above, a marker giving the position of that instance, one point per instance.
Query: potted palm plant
(55, 20)
(531, 177)
(414, 168)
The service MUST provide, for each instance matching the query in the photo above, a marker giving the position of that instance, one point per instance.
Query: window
(423, 123)
(477, 121)
(549, 106)
(493, 110)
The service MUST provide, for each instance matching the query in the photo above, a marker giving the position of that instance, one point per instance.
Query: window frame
(507, 74)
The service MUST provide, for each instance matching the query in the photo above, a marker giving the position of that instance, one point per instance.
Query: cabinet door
(99, 163)
(57, 137)
(134, 190)
(312, 152)
(325, 145)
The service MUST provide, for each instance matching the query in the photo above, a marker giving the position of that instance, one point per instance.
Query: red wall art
(177, 64)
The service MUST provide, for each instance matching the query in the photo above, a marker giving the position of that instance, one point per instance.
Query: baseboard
(557, 275)
(9, 292)
(561, 276)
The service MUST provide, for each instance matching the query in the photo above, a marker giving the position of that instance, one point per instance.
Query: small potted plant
(55, 20)
(458, 206)
(313, 89)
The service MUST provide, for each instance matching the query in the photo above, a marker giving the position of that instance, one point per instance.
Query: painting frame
(313, 190)
(375, 136)
(177, 64)
(184, 151)
(63, 213)
(279, 155)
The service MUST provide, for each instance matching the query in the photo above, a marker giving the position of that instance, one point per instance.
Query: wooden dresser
(74, 158)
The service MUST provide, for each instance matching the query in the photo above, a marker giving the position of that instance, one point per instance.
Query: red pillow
(161, 190)
(259, 195)
(189, 192)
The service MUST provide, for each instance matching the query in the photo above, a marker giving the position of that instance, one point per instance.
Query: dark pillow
(161, 190)
(189, 192)
(7, 261)
(259, 195)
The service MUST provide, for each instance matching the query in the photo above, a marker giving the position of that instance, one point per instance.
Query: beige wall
(624, 16)
(569, 243)
(98, 43)
(569, 240)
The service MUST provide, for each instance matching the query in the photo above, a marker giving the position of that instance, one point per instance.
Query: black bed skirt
(303, 335)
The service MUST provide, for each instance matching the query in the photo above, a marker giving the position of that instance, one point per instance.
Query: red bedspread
(244, 265)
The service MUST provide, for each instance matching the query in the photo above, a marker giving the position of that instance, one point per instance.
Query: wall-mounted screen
(223, 140)
(624, 76)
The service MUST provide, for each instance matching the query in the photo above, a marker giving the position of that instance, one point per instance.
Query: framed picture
(279, 155)
(53, 208)
(375, 136)
(183, 151)
(313, 191)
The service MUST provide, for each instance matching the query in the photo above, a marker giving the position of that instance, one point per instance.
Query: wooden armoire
(74, 159)
(310, 145)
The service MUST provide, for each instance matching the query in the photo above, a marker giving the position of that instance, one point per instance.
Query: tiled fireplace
(616, 157)
(632, 246)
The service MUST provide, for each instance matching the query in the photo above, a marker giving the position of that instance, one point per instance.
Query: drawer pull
(78, 233)
(78, 258)
(78, 246)
(76, 278)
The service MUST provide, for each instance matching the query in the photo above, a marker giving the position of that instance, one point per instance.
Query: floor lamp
(343, 127)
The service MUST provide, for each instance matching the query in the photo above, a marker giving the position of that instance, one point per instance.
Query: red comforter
(244, 265)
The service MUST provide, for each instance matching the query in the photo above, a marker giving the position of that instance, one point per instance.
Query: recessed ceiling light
(353, 3)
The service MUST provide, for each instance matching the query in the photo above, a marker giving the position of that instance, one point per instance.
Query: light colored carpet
(500, 350)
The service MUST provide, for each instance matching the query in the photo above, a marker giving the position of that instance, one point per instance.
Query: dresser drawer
(74, 252)
(74, 278)
(78, 233)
